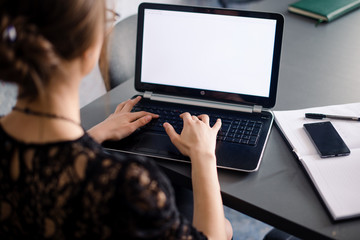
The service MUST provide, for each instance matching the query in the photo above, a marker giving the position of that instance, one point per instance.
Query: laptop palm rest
(158, 144)
(148, 144)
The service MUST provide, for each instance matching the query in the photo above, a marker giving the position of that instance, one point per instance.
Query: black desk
(319, 66)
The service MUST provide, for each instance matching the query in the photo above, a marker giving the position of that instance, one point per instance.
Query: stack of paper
(337, 179)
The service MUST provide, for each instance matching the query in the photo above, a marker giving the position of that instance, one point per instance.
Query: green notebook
(324, 10)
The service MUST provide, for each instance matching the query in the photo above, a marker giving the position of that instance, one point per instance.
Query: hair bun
(27, 58)
(38, 36)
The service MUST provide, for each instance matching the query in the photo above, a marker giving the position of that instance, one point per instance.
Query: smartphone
(326, 139)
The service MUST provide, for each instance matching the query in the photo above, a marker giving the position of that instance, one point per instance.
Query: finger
(136, 115)
(217, 125)
(120, 106)
(170, 131)
(186, 117)
(143, 113)
(194, 117)
(131, 103)
(205, 118)
(141, 122)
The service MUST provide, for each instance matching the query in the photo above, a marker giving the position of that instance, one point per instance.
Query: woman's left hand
(121, 123)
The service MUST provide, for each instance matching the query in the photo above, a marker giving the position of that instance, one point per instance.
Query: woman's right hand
(198, 141)
(197, 137)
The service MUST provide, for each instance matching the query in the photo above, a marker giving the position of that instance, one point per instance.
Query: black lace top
(73, 189)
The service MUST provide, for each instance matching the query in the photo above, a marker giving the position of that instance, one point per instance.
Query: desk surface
(319, 66)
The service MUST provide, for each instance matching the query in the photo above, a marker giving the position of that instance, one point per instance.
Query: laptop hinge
(257, 109)
(147, 94)
(202, 103)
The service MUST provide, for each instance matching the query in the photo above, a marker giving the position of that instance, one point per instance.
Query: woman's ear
(87, 62)
(91, 56)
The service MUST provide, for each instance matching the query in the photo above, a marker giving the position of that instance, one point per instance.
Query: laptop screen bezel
(266, 102)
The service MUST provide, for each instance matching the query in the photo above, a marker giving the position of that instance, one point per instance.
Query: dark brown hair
(47, 32)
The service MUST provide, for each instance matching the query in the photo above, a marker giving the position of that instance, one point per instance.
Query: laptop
(221, 62)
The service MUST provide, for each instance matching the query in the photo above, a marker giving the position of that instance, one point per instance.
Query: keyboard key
(244, 141)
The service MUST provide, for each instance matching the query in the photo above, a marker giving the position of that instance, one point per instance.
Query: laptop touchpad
(158, 144)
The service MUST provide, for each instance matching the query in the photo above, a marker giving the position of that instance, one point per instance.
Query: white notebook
(337, 179)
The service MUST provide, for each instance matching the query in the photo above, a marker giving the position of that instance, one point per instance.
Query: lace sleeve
(151, 205)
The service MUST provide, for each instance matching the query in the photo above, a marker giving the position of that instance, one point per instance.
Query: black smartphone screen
(327, 140)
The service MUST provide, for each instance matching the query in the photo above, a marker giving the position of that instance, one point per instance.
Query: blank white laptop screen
(207, 51)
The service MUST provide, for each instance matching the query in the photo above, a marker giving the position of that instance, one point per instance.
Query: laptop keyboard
(239, 130)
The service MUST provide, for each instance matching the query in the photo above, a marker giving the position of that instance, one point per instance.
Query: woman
(55, 179)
